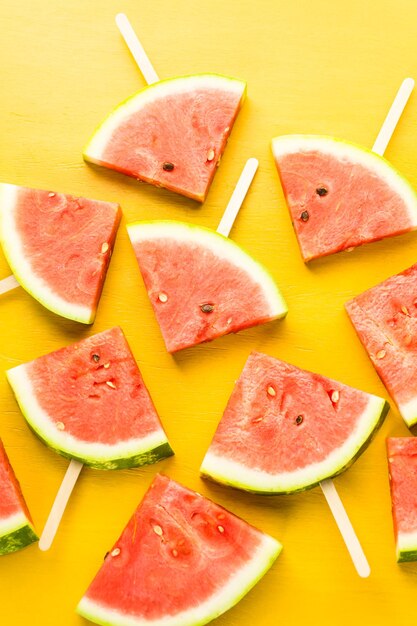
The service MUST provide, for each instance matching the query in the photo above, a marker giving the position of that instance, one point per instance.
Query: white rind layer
(229, 594)
(406, 542)
(21, 267)
(13, 522)
(408, 411)
(290, 144)
(46, 429)
(218, 244)
(224, 470)
(94, 150)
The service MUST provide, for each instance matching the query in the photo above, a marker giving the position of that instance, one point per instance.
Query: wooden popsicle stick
(393, 116)
(7, 284)
(238, 196)
(136, 49)
(345, 527)
(59, 505)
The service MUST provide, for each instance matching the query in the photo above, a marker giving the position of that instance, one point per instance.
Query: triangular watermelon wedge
(171, 134)
(88, 401)
(341, 195)
(58, 247)
(16, 526)
(201, 285)
(385, 319)
(182, 560)
(286, 429)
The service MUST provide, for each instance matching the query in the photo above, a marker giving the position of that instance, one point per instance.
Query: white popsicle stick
(136, 49)
(59, 505)
(345, 527)
(238, 196)
(7, 284)
(394, 114)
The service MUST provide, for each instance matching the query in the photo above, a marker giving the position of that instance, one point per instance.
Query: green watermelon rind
(293, 144)
(16, 533)
(33, 284)
(406, 546)
(133, 453)
(233, 474)
(221, 245)
(230, 594)
(95, 147)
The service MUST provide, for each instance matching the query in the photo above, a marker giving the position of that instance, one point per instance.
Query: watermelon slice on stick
(341, 195)
(172, 133)
(182, 560)
(58, 247)
(88, 402)
(226, 290)
(286, 430)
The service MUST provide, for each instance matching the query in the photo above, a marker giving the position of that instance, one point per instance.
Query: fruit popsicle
(16, 526)
(58, 247)
(182, 559)
(172, 133)
(385, 319)
(402, 466)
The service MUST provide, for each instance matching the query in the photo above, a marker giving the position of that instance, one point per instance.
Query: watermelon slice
(385, 318)
(402, 463)
(88, 402)
(285, 429)
(182, 560)
(58, 247)
(201, 284)
(172, 133)
(341, 195)
(16, 526)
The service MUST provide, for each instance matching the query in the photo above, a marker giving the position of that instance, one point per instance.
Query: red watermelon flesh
(89, 401)
(385, 318)
(286, 429)
(341, 195)
(402, 463)
(182, 559)
(171, 134)
(58, 246)
(16, 527)
(201, 284)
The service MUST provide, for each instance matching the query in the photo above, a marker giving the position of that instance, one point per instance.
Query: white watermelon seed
(210, 155)
(115, 552)
(380, 354)
(220, 529)
(60, 425)
(258, 419)
(106, 366)
(110, 384)
(271, 391)
(51, 194)
(104, 247)
(405, 310)
(158, 530)
(335, 396)
(351, 249)
(175, 552)
(163, 297)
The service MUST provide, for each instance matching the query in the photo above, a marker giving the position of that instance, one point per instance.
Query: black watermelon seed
(299, 420)
(96, 358)
(167, 166)
(305, 216)
(207, 308)
(322, 191)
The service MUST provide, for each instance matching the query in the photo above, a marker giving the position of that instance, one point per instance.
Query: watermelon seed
(51, 194)
(110, 384)
(405, 310)
(299, 420)
(60, 425)
(96, 358)
(207, 308)
(351, 249)
(226, 130)
(271, 391)
(163, 297)
(221, 516)
(115, 552)
(104, 247)
(106, 366)
(210, 155)
(380, 354)
(175, 552)
(220, 529)
(305, 216)
(257, 419)
(322, 191)
(158, 530)
(167, 166)
(335, 396)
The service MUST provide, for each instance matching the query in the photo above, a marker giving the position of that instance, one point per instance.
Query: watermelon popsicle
(341, 195)
(172, 133)
(89, 403)
(58, 246)
(286, 429)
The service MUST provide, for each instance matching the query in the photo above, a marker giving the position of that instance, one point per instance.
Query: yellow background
(312, 66)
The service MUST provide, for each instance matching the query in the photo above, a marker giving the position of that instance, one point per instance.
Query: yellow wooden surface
(312, 66)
